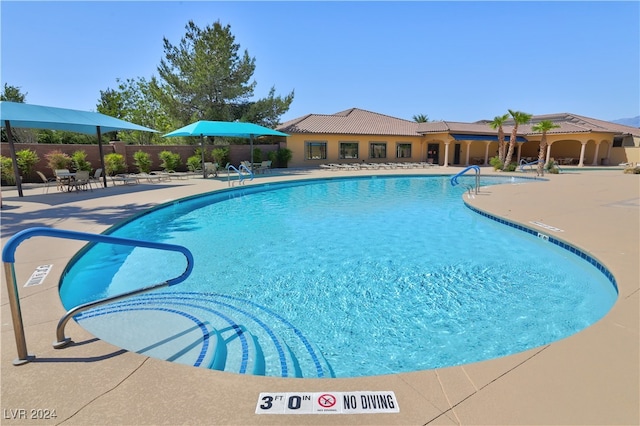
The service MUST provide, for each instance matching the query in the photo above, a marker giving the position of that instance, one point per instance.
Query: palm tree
(497, 123)
(544, 126)
(519, 117)
(420, 118)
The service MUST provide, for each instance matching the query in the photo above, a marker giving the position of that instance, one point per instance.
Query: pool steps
(219, 332)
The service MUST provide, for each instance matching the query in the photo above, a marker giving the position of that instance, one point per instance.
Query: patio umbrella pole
(104, 171)
(251, 148)
(204, 169)
(14, 160)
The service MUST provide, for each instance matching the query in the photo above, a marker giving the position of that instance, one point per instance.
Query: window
(378, 150)
(316, 151)
(348, 150)
(403, 150)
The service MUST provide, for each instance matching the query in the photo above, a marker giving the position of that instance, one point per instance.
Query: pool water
(342, 277)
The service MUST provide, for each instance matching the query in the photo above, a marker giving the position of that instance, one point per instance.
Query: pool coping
(590, 377)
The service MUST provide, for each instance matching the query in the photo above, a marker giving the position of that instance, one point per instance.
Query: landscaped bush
(194, 163)
(220, 155)
(511, 167)
(27, 160)
(633, 170)
(114, 164)
(7, 170)
(257, 155)
(142, 161)
(283, 156)
(58, 160)
(79, 161)
(552, 167)
(169, 161)
(496, 163)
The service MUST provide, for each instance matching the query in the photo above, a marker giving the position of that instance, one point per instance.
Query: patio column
(486, 153)
(595, 156)
(468, 150)
(548, 154)
(582, 149)
(519, 148)
(446, 154)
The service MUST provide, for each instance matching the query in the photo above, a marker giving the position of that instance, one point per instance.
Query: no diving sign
(362, 402)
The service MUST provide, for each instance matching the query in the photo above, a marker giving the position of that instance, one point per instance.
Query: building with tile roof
(356, 135)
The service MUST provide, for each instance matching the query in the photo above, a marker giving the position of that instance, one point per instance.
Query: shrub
(193, 163)
(633, 170)
(552, 167)
(283, 156)
(79, 161)
(142, 160)
(114, 164)
(257, 155)
(496, 163)
(220, 155)
(58, 160)
(6, 165)
(27, 160)
(511, 167)
(169, 161)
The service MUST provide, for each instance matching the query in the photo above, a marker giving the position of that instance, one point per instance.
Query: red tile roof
(353, 121)
(361, 122)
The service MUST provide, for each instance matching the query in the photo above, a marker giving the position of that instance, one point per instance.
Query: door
(456, 154)
(433, 150)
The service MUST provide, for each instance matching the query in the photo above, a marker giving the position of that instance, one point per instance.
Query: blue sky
(455, 61)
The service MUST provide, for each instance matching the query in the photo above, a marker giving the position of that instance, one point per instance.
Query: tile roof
(358, 121)
(352, 121)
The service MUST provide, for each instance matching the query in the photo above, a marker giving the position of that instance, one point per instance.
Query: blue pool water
(336, 278)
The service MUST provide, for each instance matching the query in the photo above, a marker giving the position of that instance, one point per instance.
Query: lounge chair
(264, 167)
(47, 181)
(125, 179)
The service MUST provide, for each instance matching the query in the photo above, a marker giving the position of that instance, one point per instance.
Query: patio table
(64, 179)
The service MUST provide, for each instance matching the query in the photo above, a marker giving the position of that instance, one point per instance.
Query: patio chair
(96, 177)
(62, 178)
(82, 181)
(47, 181)
(211, 169)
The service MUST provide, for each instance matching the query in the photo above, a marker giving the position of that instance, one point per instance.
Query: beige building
(359, 136)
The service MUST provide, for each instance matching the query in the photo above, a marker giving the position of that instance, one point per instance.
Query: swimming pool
(339, 277)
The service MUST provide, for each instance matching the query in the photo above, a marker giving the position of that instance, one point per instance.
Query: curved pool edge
(590, 377)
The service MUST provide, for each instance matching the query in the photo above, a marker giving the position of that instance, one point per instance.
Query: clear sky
(455, 61)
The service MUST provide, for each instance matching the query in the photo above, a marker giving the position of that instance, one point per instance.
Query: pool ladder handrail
(8, 258)
(523, 164)
(239, 172)
(454, 179)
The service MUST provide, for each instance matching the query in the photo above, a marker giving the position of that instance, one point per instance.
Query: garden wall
(237, 153)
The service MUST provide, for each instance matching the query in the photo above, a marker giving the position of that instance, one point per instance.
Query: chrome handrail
(239, 172)
(8, 258)
(454, 179)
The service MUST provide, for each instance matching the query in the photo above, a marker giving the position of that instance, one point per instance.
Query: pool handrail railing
(8, 258)
(523, 164)
(454, 178)
(239, 172)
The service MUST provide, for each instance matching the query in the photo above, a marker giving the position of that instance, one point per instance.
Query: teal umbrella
(234, 129)
(16, 114)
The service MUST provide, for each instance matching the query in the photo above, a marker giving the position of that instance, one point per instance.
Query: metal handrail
(454, 179)
(239, 172)
(8, 258)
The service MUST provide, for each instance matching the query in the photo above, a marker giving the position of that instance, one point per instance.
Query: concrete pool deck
(591, 377)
